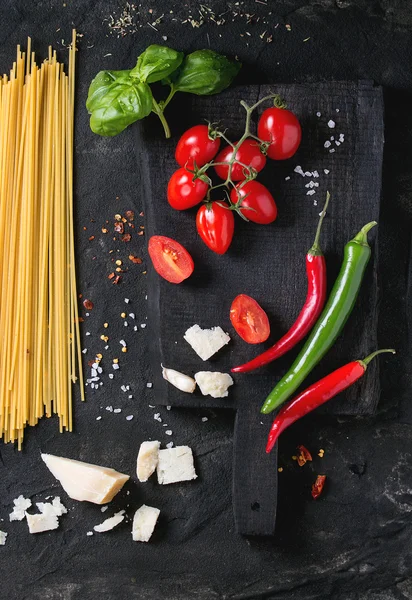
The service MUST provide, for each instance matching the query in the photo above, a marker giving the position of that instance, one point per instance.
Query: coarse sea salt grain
(315, 174)
(157, 417)
(122, 343)
(318, 114)
(168, 408)
(204, 419)
(111, 376)
(337, 143)
(149, 385)
(331, 124)
(104, 508)
(127, 300)
(117, 410)
(310, 192)
(308, 173)
(89, 533)
(287, 178)
(143, 325)
(135, 328)
(326, 171)
(129, 417)
(130, 396)
(327, 144)
(88, 333)
(115, 366)
(98, 418)
(84, 350)
(169, 432)
(169, 445)
(132, 315)
(298, 169)
(109, 408)
(125, 323)
(341, 137)
(332, 150)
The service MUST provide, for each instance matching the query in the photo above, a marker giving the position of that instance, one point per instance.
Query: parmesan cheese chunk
(206, 342)
(144, 522)
(175, 464)
(3, 536)
(85, 482)
(21, 504)
(110, 523)
(147, 459)
(45, 521)
(213, 383)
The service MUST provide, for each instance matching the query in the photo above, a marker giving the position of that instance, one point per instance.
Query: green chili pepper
(331, 322)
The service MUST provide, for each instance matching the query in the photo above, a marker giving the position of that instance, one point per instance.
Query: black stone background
(355, 542)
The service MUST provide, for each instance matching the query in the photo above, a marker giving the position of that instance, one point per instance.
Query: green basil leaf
(156, 63)
(205, 72)
(116, 100)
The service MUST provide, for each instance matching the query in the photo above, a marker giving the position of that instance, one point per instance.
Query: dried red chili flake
(317, 487)
(141, 214)
(91, 362)
(88, 304)
(140, 233)
(116, 280)
(129, 214)
(304, 456)
(91, 238)
(135, 259)
(84, 228)
(119, 227)
(111, 276)
(126, 237)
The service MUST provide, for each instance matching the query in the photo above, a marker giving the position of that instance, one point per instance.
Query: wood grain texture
(268, 263)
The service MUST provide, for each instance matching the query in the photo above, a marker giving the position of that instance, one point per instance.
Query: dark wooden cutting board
(267, 262)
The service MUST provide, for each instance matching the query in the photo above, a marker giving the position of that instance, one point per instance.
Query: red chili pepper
(317, 394)
(303, 456)
(317, 487)
(315, 300)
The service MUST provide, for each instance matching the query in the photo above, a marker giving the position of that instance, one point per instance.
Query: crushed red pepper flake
(78, 320)
(111, 276)
(124, 220)
(84, 228)
(88, 304)
(141, 214)
(126, 237)
(135, 259)
(129, 214)
(140, 233)
(91, 238)
(304, 456)
(317, 487)
(90, 362)
(116, 280)
(119, 227)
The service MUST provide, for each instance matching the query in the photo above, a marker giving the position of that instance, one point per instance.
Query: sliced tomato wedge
(170, 259)
(249, 319)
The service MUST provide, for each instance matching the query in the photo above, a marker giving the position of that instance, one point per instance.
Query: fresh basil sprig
(117, 99)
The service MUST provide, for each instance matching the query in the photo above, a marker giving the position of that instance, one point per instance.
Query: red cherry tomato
(183, 192)
(215, 225)
(249, 319)
(257, 203)
(170, 259)
(249, 154)
(282, 128)
(195, 144)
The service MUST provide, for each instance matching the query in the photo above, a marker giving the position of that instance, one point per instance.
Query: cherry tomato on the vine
(257, 203)
(170, 259)
(249, 154)
(183, 192)
(282, 129)
(249, 319)
(215, 224)
(196, 145)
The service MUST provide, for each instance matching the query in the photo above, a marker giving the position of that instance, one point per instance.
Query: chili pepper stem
(365, 361)
(315, 250)
(362, 236)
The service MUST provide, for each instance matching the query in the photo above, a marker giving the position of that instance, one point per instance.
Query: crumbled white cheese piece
(144, 522)
(147, 459)
(85, 481)
(110, 523)
(331, 124)
(3, 536)
(206, 342)
(45, 521)
(175, 464)
(214, 384)
(21, 504)
(182, 382)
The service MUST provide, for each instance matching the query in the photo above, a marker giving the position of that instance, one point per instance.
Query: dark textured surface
(268, 263)
(355, 542)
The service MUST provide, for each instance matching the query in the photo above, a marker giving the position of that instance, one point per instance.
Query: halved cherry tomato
(183, 192)
(249, 319)
(282, 128)
(215, 225)
(249, 154)
(195, 144)
(257, 203)
(170, 259)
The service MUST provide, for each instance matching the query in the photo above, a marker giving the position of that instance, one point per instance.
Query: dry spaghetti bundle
(39, 325)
